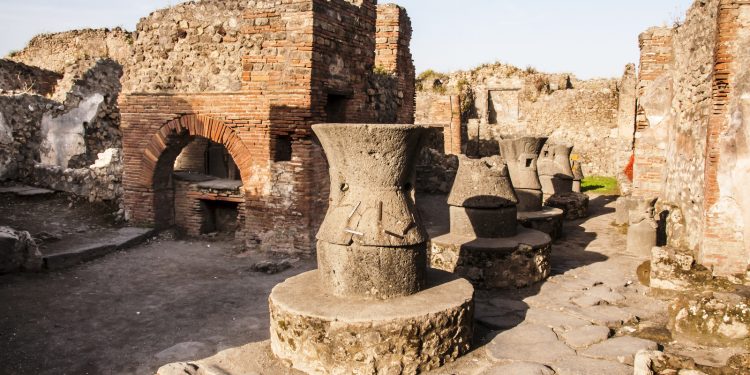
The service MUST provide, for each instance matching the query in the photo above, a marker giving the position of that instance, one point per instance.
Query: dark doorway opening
(219, 216)
(336, 108)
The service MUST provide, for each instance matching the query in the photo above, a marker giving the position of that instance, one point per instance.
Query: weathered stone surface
(520, 368)
(372, 169)
(372, 271)
(588, 366)
(517, 261)
(250, 359)
(525, 343)
(18, 252)
(322, 333)
(574, 205)
(370, 244)
(621, 349)
(586, 336)
(486, 223)
(482, 183)
(548, 220)
(555, 172)
(521, 156)
(557, 320)
(184, 351)
(711, 318)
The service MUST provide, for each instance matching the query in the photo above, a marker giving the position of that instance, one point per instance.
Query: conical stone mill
(372, 306)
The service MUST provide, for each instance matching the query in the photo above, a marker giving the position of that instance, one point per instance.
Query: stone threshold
(104, 243)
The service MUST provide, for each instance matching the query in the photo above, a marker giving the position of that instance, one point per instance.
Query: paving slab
(529, 343)
(588, 366)
(586, 336)
(559, 320)
(620, 349)
(25, 191)
(78, 249)
(520, 368)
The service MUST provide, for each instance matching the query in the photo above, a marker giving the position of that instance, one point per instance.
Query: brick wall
(649, 163)
(273, 79)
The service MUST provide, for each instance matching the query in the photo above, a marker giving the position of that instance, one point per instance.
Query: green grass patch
(600, 185)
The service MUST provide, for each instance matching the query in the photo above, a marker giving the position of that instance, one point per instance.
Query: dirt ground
(175, 300)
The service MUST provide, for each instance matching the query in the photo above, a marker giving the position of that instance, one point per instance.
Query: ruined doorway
(336, 108)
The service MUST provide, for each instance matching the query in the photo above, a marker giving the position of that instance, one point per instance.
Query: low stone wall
(101, 181)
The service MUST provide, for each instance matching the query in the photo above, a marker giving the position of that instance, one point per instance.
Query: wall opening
(219, 217)
(336, 108)
(282, 150)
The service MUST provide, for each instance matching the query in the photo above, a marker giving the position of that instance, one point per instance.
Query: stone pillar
(372, 306)
(577, 175)
(453, 133)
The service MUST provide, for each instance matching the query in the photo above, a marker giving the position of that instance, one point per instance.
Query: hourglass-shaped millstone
(482, 200)
(371, 242)
(555, 171)
(521, 155)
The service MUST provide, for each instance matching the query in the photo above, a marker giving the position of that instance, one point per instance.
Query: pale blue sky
(591, 38)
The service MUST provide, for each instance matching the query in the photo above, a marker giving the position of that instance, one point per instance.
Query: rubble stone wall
(254, 77)
(57, 52)
(498, 101)
(19, 78)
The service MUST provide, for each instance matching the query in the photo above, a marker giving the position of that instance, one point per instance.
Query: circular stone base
(574, 205)
(548, 220)
(517, 261)
(320, 333)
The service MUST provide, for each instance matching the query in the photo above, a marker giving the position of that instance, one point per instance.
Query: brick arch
(196, 126)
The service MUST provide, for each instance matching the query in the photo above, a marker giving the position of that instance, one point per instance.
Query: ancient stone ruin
(268, 187)
(486, 245)
(372, 303)
(557, 179)
(522, 156)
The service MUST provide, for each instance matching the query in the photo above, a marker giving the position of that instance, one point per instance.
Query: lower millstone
(320, 333)
(548, 220)
(494, 263)
(370, 271)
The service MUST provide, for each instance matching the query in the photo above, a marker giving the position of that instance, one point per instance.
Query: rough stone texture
(521, 156)
(641, 227)
(18, 252)
(574, 205)
(57, 52)
(250, 359)
(484, 222)
(18, 78)
(254, 76)
(436, 171)
(554, 169)
(621, 349)
(583, 113)
(523, 343)
(711, 318)
(548, 220)
(372, 271)
(482, 183)
(690, 131)
(323, 334)
(520, 368)
(513, 262)
(586, 336)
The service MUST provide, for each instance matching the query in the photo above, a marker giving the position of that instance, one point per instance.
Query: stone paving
(579, 320)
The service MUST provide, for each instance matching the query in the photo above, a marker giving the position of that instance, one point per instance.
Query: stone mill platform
(324, 334)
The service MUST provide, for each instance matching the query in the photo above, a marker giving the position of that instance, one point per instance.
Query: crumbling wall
(19, 78)
(57, 52)
(686, 118)
(498, 101)
(20, 135)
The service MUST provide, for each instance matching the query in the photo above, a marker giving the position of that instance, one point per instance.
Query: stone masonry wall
(56, 52)
(687, 121)
(500, 100)
(20, 78)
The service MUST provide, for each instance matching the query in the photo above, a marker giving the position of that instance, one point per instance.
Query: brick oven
(219, 98)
